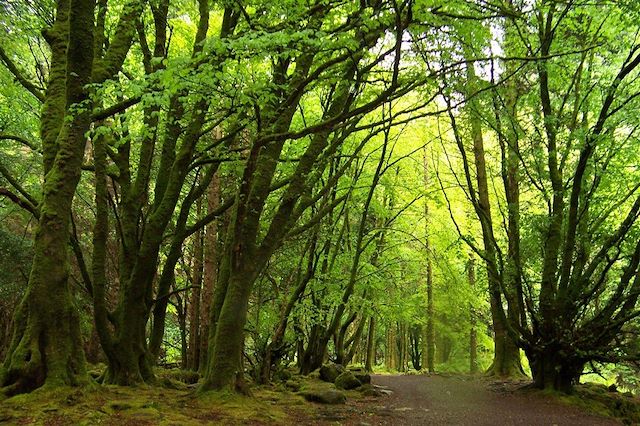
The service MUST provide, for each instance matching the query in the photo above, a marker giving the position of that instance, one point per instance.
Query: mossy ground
(599, 399)
(171, 402)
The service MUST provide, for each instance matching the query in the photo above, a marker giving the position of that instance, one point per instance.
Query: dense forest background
(233, 187)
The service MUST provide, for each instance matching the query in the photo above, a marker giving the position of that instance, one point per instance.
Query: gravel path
(438, 400)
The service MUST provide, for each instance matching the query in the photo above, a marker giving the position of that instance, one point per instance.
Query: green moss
(185, 376)
(153, 405)
(597, 399)
(262, 407)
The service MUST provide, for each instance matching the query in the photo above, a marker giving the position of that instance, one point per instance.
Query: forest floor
(408, 400)
(463, 400)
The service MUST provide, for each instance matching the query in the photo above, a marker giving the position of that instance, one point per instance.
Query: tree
(580, 274)
(245, 255)
(46, 347)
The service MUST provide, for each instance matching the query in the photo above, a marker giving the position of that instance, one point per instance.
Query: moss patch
(598, 399)
(171, 402)
(114, 405)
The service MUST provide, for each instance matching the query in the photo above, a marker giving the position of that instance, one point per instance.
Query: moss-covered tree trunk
(273, 352)
(210, 272)
(244, 255)
(354, 341)
(193, 355)
(225, 370)
(552, 369)
(473, 332)
(248, 249)
(370, 359)
(316, 351)
(131, 362)
(46, 347)
(506, 361)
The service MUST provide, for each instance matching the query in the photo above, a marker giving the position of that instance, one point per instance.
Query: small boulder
(282, 375)
(347, 381)
(364, 378)
(329, 396)
(293, 385)
(368, 390)
(361, 374)
(330, 372)
(168, 383)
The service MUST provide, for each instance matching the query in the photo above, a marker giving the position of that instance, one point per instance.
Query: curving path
(438, 400)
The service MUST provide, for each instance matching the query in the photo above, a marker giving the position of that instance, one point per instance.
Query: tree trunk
(430, 335)
(130, 359)
(392, 350)
(273, 351)
(210, 273)
(506, 360)
(354, 341)
(315, 352)
(46, 347)
(182, 323)
(130, 362)
(225, 358)
(551, 371)
(339, 342)
(473, 333)
(371, 345)
(193, 355)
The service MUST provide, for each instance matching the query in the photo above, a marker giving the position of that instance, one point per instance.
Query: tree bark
(211, 260)
(273, 350)
(473, 332)
(430, 335)
(506, 360)
(46, 347)
(193, 354)
(370, 360)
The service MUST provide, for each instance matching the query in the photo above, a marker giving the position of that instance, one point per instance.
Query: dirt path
(437, 400)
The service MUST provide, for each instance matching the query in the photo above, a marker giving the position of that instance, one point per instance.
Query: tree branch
(24, 82)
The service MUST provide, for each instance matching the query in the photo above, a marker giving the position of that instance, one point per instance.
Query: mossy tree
(142, 222)
(245, 253)
(46, 346)
(579, 277)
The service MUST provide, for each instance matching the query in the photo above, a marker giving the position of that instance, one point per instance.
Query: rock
(383, 390)
(364, 378)
(282, 375)
(368, 390)
(361, 375)
(347, 381)
(293, 385)
(330, 372)
(168, 383)
(325, 396)
(185, 376)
